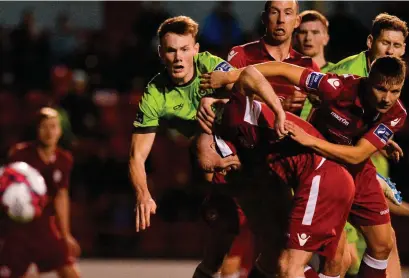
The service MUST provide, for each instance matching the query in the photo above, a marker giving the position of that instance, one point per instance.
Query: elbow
(249, 72)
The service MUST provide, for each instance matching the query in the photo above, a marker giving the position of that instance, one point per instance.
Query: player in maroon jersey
(280, 19)
(359, 116)
(314, 226)
(47, 240)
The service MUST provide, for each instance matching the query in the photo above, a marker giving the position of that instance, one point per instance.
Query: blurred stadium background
(92, 60)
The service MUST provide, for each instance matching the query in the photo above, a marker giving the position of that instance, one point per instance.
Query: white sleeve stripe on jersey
(252, 112)
(321, 162)
(312, 201)
(222, 146)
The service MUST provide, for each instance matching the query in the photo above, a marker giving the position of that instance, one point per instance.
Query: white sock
(374, 263)
(325, 276)
(233, 275)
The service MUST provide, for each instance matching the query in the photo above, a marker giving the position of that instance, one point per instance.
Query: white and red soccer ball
(23, 193)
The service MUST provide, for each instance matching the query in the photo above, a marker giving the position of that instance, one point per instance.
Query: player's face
(388, 43)
(311, 38)
(281, 19)
(49, 131)
(384, 96)
(177, 53)
(211, 162)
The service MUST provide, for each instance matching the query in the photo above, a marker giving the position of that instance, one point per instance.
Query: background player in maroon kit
(249, 126)
(360, 115)
(280, 19)
(46, 241)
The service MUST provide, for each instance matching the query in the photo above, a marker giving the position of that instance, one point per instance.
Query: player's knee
(382, 247)
(231, 265)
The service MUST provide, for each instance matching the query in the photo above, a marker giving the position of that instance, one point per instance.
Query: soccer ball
(22, 192)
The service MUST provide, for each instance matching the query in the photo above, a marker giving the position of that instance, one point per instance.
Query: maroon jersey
(56, 173)
(341, 118)
(249, 126)
(256, 52)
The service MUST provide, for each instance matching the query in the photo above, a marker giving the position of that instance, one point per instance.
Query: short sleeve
(326, 86)
(212, 63)
(381, 133)
(148, 113)
(237, 57)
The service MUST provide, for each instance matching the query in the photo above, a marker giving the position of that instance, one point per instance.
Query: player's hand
(298, 134)
(205, 114)
(279, 124)
(393, 151)
(74, 248)
(145, 206)
(214, 80)
(295, 102)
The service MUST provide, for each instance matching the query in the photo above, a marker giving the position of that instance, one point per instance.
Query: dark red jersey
(56, 173)
(341, 118)
(256, 52)
(248, 129)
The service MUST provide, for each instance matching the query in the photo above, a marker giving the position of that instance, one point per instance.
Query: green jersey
(306, 109)
(177, 105)
(356, 64)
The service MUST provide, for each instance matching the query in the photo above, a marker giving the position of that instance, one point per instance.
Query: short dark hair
(181, 25)
(312, 15)
(386, 21)
(388, 70)
(267, 5)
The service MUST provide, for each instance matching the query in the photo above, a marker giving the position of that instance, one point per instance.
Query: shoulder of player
(65, 156)
(20, 148)
(157, 84)
(398, 110)
(246, 49)
(347, 63)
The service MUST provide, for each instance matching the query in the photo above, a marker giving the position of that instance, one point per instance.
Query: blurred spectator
(348, 34)
(63, 42)
(30, 54)
(83, 113)
(221, 30)
(147, 23)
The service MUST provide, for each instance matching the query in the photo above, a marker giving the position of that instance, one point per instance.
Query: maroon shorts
(320, 210)
(37, 243)
(369, 207)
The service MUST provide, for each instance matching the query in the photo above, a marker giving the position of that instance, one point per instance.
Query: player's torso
(255, 53)
(53, 172)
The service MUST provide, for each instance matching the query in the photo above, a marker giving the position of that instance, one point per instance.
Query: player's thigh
(52, 252)
(369, 207)
(320, 210)
(14, 258)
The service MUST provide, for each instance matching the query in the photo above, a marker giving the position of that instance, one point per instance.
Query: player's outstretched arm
(343, 153)
(218, 79)
(401, 210)
(141, 145)
(251, 82)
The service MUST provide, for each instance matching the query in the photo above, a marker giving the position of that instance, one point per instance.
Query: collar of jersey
(292, 54)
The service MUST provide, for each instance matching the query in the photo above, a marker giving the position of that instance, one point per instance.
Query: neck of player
(279, 50)
(46, 152)
(184, 80)
(319, 59)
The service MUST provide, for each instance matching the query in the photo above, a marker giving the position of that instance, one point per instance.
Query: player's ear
(369, 41)
(160, 51)
(297, 21)
(404, 47)
(196, 48)
(326, 39)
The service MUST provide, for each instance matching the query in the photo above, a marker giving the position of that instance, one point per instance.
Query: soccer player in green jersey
(172, 95)
(311, 37)
(387, 37)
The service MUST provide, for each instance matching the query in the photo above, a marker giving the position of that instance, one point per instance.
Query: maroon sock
(309, 272)
(372, 268)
